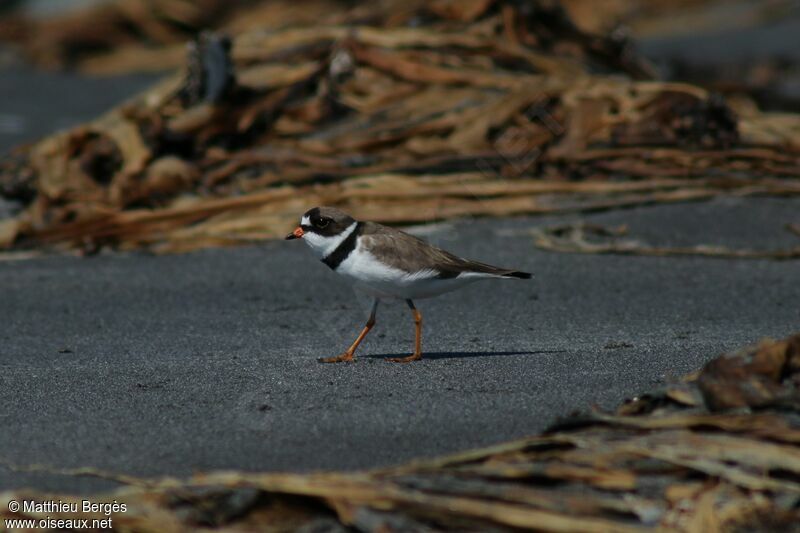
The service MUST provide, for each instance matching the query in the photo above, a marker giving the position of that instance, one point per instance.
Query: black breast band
(335, 258)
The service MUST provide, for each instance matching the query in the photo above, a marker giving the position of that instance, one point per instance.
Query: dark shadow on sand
(460, 355)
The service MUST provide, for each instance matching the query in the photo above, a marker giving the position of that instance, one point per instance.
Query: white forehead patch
(323, 246)
(305, 221)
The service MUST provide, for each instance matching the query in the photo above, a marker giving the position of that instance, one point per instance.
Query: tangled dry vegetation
(396, 111)
(717, 451)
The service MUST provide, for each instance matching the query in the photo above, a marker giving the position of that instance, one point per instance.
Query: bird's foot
(344, 358)
(412, 357)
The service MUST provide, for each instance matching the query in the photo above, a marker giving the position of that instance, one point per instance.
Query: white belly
(382, 281)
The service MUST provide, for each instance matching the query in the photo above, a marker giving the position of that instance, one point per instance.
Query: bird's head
(323, 229)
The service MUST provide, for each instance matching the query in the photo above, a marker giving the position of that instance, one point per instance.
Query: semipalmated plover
(387, 263)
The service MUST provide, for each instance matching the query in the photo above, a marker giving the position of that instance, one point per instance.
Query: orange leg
(349, 354)
(417, 355)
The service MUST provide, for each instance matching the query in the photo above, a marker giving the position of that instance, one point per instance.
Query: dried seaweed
(716, 451)
(593, 239)
(396, 111)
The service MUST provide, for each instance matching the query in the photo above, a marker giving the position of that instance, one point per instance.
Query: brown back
(411, 254)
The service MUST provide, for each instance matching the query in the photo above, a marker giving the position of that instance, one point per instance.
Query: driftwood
(716, 451)
(396, 111)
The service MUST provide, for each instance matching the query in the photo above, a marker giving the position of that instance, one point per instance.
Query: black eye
(322, 223)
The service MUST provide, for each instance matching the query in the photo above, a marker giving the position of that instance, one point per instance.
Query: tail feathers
(516, 274)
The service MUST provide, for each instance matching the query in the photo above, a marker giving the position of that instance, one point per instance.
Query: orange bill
(296, 234)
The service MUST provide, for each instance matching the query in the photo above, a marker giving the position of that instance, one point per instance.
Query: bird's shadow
(463, 355)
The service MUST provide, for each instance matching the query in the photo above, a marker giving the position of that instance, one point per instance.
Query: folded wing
(412, 254)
